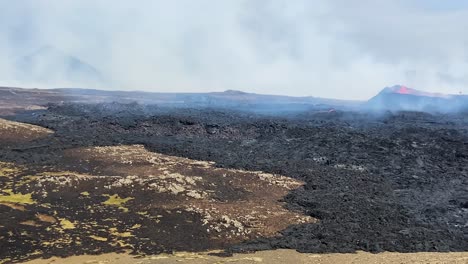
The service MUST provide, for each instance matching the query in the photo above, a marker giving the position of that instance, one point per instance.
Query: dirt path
(277, 256)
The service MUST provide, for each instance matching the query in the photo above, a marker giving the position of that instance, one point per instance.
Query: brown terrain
(275, 256)
(128, 198)
(103, 182)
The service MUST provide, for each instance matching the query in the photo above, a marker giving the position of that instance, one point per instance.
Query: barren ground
(93, 179)
(275, 256)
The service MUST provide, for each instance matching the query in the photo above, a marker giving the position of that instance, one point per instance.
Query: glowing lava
(403, 90)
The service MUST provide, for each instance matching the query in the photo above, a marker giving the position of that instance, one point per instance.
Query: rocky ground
(92, 179)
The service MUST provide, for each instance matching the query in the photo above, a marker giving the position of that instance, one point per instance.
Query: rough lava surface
(110, 177)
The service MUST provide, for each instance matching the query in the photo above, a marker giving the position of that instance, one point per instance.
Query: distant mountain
(227, 99)
(50, 66)
(395, 98)
(235, 100)
(402, 98)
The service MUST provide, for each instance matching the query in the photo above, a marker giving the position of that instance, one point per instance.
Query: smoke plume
(326, 48)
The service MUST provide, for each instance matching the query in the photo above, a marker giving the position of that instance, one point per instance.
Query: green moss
(8, 169)
(16, 197)
(98, 238)
(116, 200)
(113, 231)
(66, 224)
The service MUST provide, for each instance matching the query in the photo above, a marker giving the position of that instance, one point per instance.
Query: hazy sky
(327, 48)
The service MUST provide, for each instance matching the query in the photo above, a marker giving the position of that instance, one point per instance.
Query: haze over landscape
(233, 131)
(333, 48)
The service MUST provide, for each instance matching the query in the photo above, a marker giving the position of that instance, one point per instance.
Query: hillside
(50, 66)
(402, 98)
(19, 98)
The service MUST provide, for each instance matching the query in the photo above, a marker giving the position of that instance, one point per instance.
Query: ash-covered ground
(97, 178)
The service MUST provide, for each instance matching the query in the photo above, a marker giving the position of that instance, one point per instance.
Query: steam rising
(326, 48)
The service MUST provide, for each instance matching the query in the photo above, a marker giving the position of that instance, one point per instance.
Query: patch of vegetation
(98, 238)
(67, 224)
(113, 231)
(8, 169)
(116, 200)
(16, 198)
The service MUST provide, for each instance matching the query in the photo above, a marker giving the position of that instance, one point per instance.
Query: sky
(325, 48)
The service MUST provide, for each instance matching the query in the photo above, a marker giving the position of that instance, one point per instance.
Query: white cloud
(327, 48)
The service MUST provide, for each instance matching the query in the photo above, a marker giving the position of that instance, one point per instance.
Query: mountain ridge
(393, 98)
(402, 98)
(49, 65)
